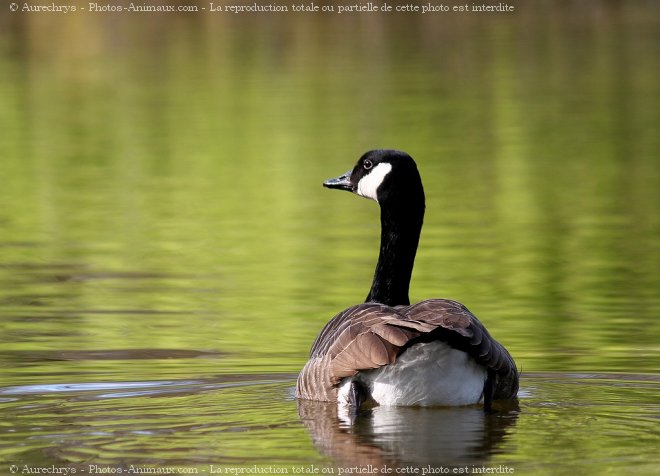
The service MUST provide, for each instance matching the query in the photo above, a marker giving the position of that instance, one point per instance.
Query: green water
(167, 252)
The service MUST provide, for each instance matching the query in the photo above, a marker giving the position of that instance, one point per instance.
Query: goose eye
(367, 164)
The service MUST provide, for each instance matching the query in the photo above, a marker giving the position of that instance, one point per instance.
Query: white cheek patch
(368, 185)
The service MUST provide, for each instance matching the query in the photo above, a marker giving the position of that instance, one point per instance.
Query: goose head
(390, 177)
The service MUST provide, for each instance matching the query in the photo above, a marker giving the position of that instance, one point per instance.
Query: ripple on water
(252, 419)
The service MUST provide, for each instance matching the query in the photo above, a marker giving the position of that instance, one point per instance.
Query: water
(168, 254)
(563, 422)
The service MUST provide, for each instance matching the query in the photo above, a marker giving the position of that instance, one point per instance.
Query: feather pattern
(372, 335)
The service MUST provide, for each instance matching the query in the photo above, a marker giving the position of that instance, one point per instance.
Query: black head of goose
(385, 350)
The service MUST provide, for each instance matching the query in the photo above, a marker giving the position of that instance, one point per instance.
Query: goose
(386, 351)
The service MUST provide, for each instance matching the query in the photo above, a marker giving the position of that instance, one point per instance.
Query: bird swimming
(386, 351)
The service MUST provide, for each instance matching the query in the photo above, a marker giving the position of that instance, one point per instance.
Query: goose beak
(342, 182)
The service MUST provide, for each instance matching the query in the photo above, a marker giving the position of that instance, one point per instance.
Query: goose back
(371, 335)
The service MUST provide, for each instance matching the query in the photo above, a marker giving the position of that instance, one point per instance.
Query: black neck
(400, 230)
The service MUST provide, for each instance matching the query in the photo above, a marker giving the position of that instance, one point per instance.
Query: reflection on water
(247, 420)
(167, 252)
(408, 436)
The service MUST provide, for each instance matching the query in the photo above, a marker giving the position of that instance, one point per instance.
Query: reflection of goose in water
(400, 436)
(386, 351)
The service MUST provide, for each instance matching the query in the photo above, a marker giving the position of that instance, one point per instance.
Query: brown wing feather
(457, 326)
(370, 335)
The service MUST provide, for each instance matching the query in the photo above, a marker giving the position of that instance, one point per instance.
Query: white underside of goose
(426, 374)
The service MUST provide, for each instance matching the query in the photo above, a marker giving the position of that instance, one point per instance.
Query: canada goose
(385, 350)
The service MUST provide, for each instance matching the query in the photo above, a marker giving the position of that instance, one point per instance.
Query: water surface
(167, 252)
